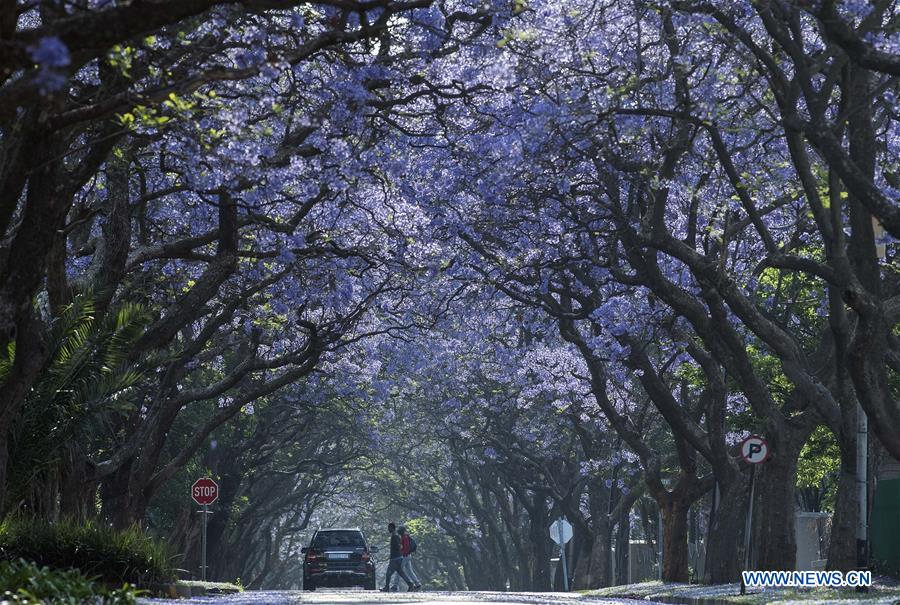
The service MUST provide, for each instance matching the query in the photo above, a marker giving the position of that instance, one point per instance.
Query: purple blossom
(49, 52)
(250, 58)
(297, 21)
(286, 255)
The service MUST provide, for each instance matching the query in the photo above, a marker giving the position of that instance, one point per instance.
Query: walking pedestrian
(407, 548)
(395, 562)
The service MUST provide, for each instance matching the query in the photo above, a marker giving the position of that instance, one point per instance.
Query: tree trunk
(217, 543)
(456, 579)
(842, 545)
(675, 545)
(122, 507)
(31, 354)
(597, 564)
(541, 544)
(774, 512)
(77, 493)
(623, 542)
(723, 561)
(584, 547)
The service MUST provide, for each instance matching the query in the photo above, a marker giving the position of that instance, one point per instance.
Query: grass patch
(730, 593)
(114, 557)
(25, 583)
(634, 591)
(816, 596)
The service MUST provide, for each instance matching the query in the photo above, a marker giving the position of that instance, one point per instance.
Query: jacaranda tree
(496, 261)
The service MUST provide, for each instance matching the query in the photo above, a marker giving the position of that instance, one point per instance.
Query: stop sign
(561, 531)
(204, 491)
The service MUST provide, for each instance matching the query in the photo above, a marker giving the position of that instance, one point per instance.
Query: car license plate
(339, 555)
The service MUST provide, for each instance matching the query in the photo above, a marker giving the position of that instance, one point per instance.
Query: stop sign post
(204, 491)
(561, 533)
(754, 450)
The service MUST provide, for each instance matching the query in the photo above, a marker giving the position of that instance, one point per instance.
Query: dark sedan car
(338, 558)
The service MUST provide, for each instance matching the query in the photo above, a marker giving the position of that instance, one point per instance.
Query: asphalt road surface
(359, 597)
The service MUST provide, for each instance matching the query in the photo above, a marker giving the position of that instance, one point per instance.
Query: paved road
(348, 597)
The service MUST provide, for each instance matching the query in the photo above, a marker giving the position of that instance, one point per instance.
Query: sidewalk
(884, 591)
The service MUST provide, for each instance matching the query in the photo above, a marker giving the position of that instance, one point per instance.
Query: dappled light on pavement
(359, 597)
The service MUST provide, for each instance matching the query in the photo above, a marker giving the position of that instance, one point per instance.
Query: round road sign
(754, 449)
(204, 491)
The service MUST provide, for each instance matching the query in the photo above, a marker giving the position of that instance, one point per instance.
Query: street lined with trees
(468, 265)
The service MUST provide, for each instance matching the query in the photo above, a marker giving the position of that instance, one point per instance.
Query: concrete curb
(169, 591)
(183, 591)
(175, 590)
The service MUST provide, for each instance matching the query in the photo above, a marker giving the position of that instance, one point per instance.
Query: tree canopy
(471, 264)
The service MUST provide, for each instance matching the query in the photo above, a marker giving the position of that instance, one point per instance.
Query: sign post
(561, 533)
(204, 491)
(660, 536)
(754, 450)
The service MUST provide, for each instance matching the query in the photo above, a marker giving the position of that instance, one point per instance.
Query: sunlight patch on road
(360, 597)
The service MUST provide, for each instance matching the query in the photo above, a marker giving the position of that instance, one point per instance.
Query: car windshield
(329, 539)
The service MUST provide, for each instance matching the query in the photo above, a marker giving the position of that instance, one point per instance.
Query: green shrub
(113, 556)
(24, 583)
